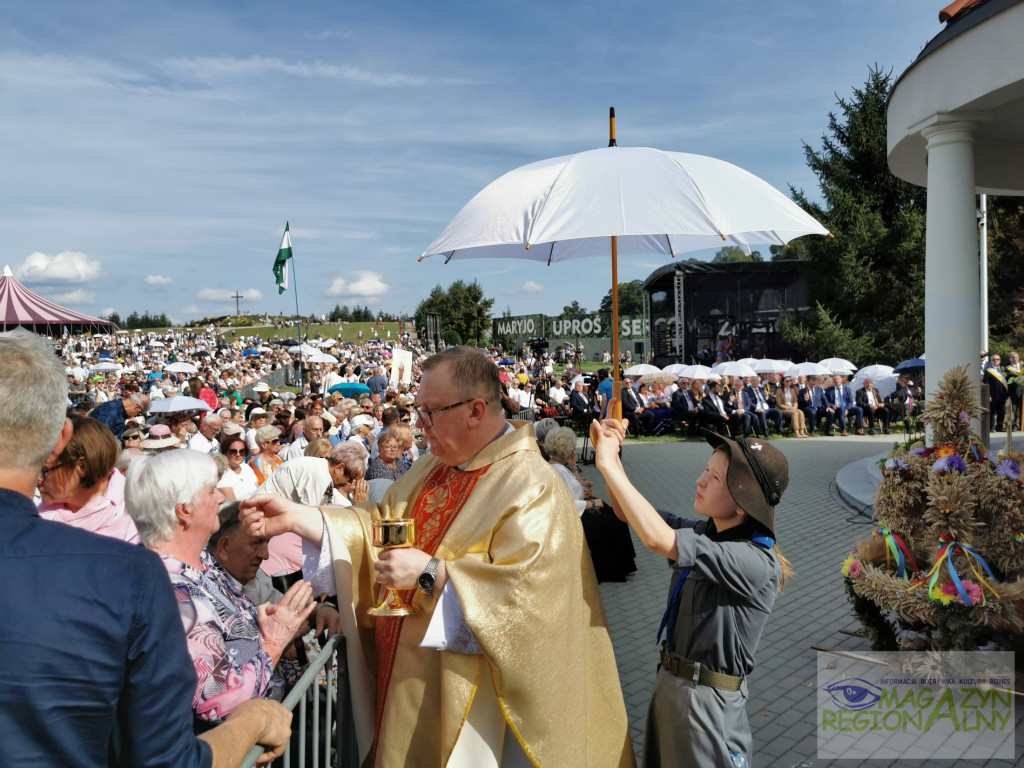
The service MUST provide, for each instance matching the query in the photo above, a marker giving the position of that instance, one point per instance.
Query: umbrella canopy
(350, 388)
(303, 349)
(659, 377)
(701, 372)
(506, 361)
(321, 357)
(885, 384)
(676, 368)
(157, 344)
(634, 199)
(642, 369)
(251, 352)
(181, 367)
(808, 369)
(325, 343)
(735, 368)
(838, 365)
(915, 365)
(106, 367)
(874, 372)
(654, 201)
(767, 366)
(178, 403)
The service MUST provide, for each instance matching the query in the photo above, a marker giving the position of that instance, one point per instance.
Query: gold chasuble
(511, 537)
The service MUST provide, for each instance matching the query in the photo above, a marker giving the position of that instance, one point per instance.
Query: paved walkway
(816, 531)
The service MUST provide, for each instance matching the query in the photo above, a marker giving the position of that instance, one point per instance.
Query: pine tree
(870, 276)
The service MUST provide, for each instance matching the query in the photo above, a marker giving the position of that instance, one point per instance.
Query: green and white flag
(281, 262)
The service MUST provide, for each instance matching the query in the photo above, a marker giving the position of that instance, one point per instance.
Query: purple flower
(957, 462)
(895, 463)
(964, 417)
(942, 465)
(1009, 469)
(918, 451)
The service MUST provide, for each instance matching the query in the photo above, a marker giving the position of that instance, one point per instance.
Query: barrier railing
(339, 733)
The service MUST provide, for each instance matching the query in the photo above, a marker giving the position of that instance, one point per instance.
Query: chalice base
(396, 606)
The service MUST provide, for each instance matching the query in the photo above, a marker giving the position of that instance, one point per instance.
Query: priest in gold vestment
(507, 660)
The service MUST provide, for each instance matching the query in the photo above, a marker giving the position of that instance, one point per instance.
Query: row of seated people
(752, 406)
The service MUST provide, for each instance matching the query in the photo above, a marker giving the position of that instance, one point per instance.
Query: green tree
(735, 253)
(869, 278)
(574, 311)
(1005, 273)
(463, 309)
(631, 299)
(822, 335)
(114, 317)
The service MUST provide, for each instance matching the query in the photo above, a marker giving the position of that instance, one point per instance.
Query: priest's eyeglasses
(426, 415)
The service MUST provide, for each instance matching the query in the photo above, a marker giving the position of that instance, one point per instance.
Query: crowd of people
(206, 528)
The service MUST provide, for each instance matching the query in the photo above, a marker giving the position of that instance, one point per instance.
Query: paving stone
(816, 531)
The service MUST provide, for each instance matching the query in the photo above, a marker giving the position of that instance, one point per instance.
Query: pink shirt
(104, 514)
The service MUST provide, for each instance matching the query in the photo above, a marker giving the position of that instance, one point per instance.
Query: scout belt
(698, 674)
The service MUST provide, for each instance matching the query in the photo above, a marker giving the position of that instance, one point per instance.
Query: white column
(952, 314)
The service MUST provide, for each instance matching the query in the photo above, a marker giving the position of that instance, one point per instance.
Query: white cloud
(366, 285)
(191, 309)
(65, 267)
(223, 294)
(209, 68)
(81, 296)
(158, 280)
(528, 287)
(106, 312)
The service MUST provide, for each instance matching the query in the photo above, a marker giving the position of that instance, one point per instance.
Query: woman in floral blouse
(234, 645)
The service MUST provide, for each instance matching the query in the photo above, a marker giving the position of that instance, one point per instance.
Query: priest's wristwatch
(426, 580)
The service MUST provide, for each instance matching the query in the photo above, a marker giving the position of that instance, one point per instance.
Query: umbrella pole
(617, 383)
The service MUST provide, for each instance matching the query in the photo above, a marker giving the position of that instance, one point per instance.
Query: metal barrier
(338, 715)
(275, 380)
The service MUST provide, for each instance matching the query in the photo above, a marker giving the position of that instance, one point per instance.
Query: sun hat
(364, 421)
(261, 387)
(159, 437)
(257, 411)
(758, 475)
(230, 428)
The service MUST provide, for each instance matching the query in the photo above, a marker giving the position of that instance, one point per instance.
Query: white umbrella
(838, 365)
(634, 199)
(783, 365)
(735, 368)
(181, 367)
(157, 344)
(701, 372)
(122, 333)
(751, 361)
(808, 369)
(874, 372)
(885, 385)
(676, 368)
(325, 343)
(178, 403)
(106, 367)
(766, 366)
(321, 357)
(303, 349)
(641, 369)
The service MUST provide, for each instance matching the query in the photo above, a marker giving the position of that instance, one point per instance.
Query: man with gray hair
(114, 413)
(312, 428)
(127, 699)
(206, 440)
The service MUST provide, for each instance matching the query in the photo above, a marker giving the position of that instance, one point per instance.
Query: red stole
(443, 494)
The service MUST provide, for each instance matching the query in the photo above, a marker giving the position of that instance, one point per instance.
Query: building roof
(778, 267)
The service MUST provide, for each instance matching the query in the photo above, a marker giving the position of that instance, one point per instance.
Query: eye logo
(854, 693)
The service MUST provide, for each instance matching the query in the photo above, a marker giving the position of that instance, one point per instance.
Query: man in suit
(686, 407)
(718, 415)
(873, 407)
(761, 410)
(901, 402)
(841, 405)
(640, 419)
(579, 404)
(818, 407)
(998, 393)
(1016, 391)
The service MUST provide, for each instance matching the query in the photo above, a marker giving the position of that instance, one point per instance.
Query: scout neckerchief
(668, 619)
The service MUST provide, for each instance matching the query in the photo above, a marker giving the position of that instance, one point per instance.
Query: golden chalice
(391, 534)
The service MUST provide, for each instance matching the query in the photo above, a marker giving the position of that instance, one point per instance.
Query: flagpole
(298, 318)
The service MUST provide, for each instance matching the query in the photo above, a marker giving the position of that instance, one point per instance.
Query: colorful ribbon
(898, 551)
(948, 549)
(1018, 536)
(976, 447)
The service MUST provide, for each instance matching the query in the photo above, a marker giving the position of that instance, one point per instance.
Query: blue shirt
(93, 665)
(605, 388)
(112, 415)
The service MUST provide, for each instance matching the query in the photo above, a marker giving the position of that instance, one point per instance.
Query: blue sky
(151, 152)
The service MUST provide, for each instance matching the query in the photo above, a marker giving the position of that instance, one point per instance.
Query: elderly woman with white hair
(234, 646)
(611, 546)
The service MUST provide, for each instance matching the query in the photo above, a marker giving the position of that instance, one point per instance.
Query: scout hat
(758, 475)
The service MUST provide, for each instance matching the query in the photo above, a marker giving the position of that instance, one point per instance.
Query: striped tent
(20, 307)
